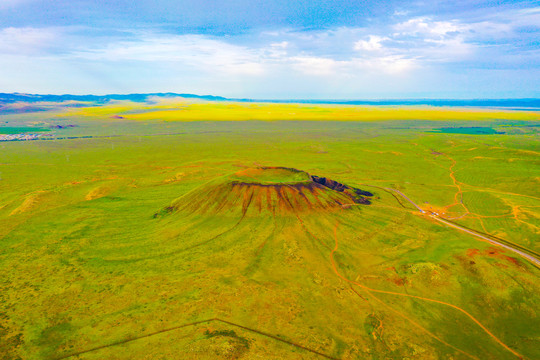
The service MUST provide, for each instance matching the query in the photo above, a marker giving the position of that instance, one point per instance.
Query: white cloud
(435, 41)
(26, 40)
(313, 65)
(533, 10)
(220, 58)
(373, 43)
(401, 13)
(382, 65)
(393, 64)
(278, 50)
(4, 4)
(425, 26)
(341, 58)
(195, 51)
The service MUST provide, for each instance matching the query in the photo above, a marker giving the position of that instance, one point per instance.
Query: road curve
(406, 198)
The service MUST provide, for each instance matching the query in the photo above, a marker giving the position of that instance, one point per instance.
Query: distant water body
(508, 104)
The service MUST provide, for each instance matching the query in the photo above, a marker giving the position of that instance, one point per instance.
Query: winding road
(436, 217)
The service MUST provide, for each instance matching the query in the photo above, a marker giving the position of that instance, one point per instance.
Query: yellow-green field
(128, 236)
(234, 111)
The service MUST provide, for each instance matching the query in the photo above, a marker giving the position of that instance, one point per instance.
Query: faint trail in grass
(370, 290)
(413, 322)
(383, 303)
(458, 197)
(495, 191)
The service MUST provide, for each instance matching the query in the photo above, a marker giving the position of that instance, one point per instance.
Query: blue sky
(273, 49)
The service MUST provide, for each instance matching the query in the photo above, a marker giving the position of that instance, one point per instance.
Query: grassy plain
(163, 110)
(89, 259)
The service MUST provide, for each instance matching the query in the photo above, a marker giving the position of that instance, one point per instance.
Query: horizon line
(180, 94)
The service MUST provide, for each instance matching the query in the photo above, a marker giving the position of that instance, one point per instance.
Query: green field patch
(8, 130)
(271, 176)
(474, 130)
(485, 204)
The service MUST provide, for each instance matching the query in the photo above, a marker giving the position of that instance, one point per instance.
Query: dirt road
(435, 216)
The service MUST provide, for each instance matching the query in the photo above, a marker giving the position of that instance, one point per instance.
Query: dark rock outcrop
(61, 126)
(362, 192)
(357, 195)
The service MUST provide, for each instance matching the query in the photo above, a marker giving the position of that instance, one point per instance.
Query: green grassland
(109, 248)
(21, 130)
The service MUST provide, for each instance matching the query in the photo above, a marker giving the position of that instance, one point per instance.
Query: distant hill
(16, 97)
(525, 103)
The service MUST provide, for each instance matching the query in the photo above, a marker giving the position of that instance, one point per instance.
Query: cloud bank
(494, 55)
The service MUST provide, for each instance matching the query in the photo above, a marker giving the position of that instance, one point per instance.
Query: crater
(270, 190)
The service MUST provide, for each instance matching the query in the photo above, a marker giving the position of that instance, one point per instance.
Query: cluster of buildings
(21, 137)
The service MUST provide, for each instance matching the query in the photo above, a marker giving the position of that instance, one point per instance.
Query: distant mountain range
(527, 103)
(16, 97)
